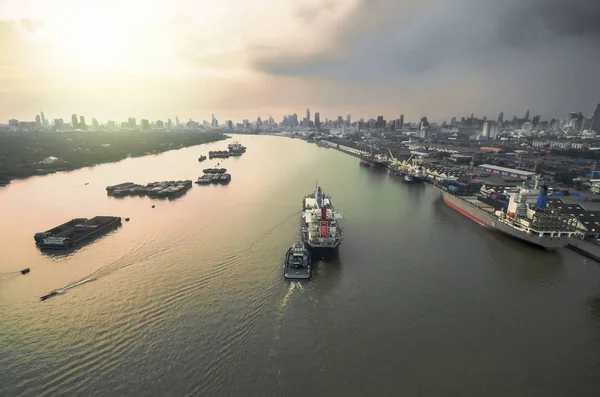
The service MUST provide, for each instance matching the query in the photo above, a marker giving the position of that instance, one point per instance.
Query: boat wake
(293, 286)
(105, 270)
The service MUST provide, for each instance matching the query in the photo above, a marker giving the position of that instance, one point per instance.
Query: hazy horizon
(436, 58)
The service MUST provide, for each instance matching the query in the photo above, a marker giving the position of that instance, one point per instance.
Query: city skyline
(435, 58)
(213, 121)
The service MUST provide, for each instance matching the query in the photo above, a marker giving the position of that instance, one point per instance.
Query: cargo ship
(321, 228)
(75, 232)
(373, 161)
(297, 261)
(415, 176)
(409, 172)
(519, 212)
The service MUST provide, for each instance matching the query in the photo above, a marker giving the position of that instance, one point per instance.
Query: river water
(188, 298)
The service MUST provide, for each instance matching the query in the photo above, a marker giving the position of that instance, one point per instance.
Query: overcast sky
(240, 59)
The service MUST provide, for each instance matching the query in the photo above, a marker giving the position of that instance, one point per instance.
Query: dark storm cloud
(413, 37)
(513, 45)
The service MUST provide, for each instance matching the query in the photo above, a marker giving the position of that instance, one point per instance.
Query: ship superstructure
(411, 170)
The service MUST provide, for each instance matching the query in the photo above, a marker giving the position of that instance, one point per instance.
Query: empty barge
(75, 232)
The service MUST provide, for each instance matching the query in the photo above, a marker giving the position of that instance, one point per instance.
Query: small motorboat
(48, 296)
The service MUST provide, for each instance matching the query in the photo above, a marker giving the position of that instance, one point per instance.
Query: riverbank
(27, 154)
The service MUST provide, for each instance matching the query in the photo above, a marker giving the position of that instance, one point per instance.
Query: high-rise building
(340, 121)
(82, 122)
(94, 123)
(575, 121)
(177, 121)
(348, 120)
(490, 130)
(111, 124)
(596, 120)
(400, 124)
(501, 118)
(13, 123)
(131, 123)
(380, 123)
(59, 124)
(159, 124)
(307, 115)
(536, 120)
(169, 123)
(527, 115)
(145, 124)
(43, 117)
(318, 121)
(453, 122)
(38, 121)
(74, 122)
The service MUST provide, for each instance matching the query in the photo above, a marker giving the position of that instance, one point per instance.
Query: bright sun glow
(98, 39)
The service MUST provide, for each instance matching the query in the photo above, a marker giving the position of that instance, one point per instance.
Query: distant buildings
(490, 130)
(595, 125)
(74, 121)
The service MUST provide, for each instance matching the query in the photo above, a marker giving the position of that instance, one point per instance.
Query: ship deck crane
(394, 159)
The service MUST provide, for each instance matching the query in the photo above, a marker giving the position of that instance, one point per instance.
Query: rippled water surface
(188, 298)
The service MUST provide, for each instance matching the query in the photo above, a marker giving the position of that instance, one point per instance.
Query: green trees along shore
(23, 154)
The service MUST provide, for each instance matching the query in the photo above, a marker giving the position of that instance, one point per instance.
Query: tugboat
(236, 149)
(204, 180)
(225, 179)
(296, 265)
(201, 158)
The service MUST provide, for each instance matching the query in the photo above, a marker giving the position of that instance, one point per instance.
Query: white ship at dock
(321, 227)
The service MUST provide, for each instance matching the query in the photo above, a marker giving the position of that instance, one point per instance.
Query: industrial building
(508, 172)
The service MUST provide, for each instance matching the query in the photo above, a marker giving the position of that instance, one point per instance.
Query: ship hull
(407, 178)
(489, 221)
(373, 163)
(322, 252)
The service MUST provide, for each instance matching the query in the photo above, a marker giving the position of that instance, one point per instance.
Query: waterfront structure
(508, 172)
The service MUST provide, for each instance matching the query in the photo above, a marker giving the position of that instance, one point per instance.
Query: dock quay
(154, 189)
(75, 232)
(585, 248)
